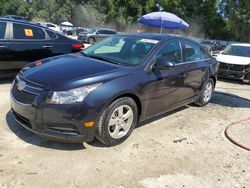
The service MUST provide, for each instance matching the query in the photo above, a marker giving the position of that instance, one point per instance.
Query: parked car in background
(235, 62)
(24, 42)
(16, 17)
(92, 35)
(50, 26)
(213, 46)
(106, 89)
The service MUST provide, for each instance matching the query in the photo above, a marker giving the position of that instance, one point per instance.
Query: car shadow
(158, 117)
(34, 139)
(232, 81)
(229, 100)
(96, 143)
(6, 81)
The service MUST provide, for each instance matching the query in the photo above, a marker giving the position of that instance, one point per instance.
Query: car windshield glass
(206, 42)
(91, 30)
(243, 51)
(124, 50)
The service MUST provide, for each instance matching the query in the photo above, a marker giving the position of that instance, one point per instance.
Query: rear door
(27, 44)
(196, 66)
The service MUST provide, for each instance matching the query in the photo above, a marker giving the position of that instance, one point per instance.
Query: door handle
(47, 46)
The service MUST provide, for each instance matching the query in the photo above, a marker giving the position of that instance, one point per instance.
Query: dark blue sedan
(105, 90)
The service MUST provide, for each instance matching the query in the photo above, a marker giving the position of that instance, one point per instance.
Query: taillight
(77, 46)
(37, 63)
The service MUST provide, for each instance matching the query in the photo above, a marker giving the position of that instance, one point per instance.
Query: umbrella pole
(161, 26)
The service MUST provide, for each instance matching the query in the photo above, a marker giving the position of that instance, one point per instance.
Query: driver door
(166, 88)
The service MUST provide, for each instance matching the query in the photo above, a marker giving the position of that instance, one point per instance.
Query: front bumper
(239, 72)
(64, 123)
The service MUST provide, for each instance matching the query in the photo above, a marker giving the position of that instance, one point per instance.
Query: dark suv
(23, 42)
(16, 17)
(108, 88)
(92, 35)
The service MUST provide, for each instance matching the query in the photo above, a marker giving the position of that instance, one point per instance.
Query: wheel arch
(134, 97)
(214, 79)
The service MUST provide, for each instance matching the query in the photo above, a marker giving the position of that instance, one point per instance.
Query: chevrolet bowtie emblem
(21, 85)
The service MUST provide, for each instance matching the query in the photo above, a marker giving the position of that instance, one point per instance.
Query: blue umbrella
(163, 20)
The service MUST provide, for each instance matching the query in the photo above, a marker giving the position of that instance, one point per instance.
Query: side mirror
(97, 33)
(162, 64)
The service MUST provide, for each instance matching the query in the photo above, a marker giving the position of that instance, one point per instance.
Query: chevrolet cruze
(105, 90)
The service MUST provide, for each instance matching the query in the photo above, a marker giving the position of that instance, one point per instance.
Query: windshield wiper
(102, 58)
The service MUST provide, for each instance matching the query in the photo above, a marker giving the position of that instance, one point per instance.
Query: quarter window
(193, 52)
(2, 30)
(171, 51)
(27, 32)
(51, 34)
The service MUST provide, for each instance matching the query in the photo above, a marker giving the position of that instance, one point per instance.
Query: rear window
(27, 32)
(2, 30)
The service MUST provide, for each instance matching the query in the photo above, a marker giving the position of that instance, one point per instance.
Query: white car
(235, 62)
(51, 26)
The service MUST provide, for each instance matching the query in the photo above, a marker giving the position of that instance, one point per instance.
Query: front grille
(23, 96)
(29, 83)
(232, 67)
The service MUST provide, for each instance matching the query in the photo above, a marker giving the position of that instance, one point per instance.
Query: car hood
(230, 59)
(71, 71)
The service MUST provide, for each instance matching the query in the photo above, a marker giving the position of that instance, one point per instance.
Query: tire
(91, 40)
(246, 82)
(110, 133)
(206, 93)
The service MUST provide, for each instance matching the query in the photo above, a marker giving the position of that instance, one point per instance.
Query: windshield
(243, 51)
(124, 50)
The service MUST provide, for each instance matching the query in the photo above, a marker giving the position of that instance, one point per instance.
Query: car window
(101, 32)
(110, 32)
(50, 25)
(171, 51)
(51, 34)
(27, 32)
(126, 50)
(111, 47)
(2, 30)
(194, 52)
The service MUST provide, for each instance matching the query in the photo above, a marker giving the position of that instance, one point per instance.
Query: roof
(155, 36)
(22, 22)
(242, 44)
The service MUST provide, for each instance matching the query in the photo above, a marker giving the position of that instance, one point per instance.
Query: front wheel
(117, 121)
(91, 40)
(206, 93)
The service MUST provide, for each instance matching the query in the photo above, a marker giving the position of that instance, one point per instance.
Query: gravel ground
(185, 148)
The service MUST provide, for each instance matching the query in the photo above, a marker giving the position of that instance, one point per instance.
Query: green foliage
(217, 19)
(237, 14)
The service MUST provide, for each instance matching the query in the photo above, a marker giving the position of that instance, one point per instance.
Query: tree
(237, 16)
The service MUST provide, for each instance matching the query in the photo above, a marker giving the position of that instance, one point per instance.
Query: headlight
(71, 96)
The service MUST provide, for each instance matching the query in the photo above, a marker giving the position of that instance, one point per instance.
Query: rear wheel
(206, 93)
(117, 121)
(91, 40)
